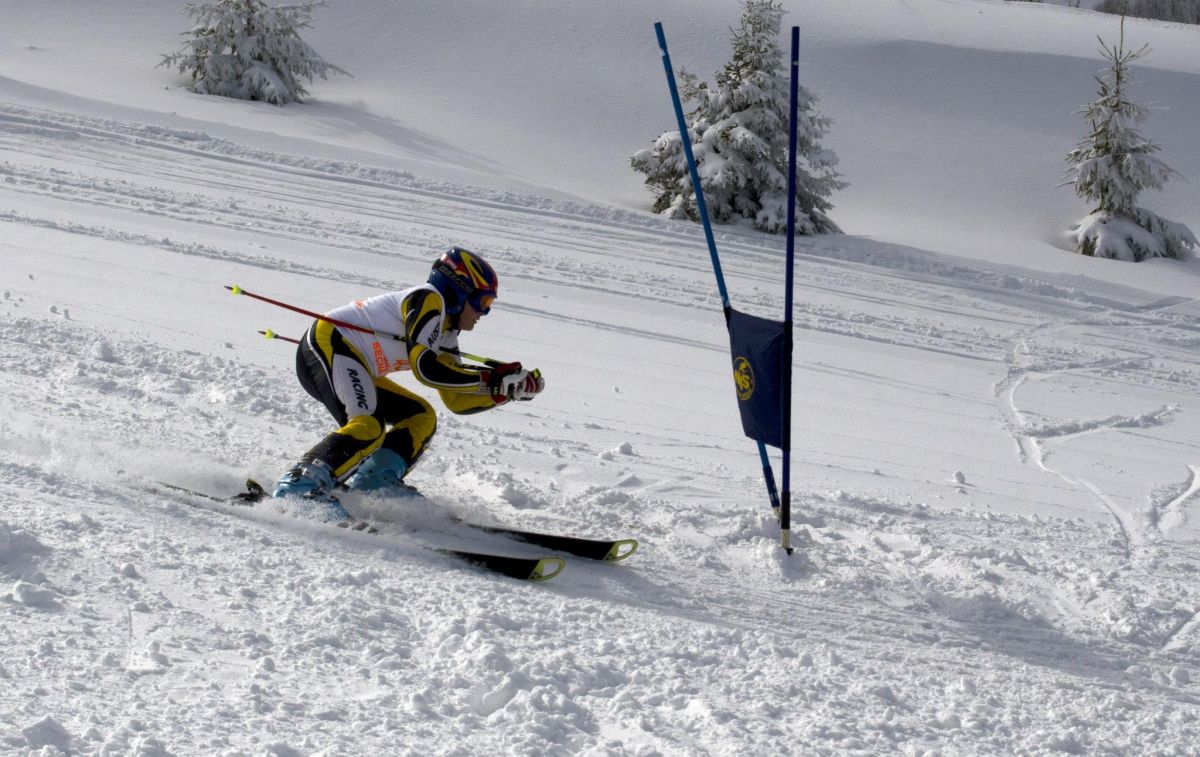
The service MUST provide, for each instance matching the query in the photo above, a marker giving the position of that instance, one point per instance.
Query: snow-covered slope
(953, 117)
(996, 464)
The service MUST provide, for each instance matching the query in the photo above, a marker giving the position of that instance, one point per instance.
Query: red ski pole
(342, 324)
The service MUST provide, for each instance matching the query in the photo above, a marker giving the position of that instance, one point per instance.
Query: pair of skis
(525, 568)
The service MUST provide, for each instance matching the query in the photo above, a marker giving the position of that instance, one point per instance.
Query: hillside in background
(953, 117)
(997, 461)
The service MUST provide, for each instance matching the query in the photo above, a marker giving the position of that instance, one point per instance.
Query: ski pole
(272, 335)
(488, 361)
(343, 324)
(237, 290)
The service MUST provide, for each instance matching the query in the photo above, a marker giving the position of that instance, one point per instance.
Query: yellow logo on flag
(743, 377)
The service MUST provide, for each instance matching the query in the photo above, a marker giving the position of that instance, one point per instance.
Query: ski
(607, 550)
(524, 568)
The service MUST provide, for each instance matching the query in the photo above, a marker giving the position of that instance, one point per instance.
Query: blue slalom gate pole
(695, 172)
(702, 208)
(785, 510)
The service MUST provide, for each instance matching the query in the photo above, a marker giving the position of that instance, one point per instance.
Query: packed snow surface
(996, 473)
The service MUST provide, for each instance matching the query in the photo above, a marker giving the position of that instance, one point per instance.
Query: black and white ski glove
(509, 381)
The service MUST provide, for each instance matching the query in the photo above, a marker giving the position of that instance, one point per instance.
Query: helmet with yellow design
(461, 276)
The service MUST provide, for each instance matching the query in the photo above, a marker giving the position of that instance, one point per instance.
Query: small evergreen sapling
(249, 50)
(1112, 165)
(739, 133)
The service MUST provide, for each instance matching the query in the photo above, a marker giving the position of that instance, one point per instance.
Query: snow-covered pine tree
(249, 50)
(739, 133)
(1113, 164)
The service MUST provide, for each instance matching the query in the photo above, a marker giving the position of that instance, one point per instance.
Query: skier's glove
(509, 381)
(494, 380)
(526, 385)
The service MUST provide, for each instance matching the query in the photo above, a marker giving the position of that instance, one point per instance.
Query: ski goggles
(482, 301)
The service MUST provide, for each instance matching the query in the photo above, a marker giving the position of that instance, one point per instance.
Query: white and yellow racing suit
(347, 369)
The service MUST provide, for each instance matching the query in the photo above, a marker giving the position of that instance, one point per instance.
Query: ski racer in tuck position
(346, 369)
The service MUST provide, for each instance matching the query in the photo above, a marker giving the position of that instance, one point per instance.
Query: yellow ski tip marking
(270, 334)
(235, 289)
(616, 553)
(554, 565)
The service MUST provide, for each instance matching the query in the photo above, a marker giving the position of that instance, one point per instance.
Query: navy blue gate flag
(758, 347)
(762, 349)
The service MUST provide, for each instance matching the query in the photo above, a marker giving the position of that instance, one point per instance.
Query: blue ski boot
(308, 486)
(382, 474)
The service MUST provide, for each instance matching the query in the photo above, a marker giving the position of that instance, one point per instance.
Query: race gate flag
(757, 346)
(761, 349)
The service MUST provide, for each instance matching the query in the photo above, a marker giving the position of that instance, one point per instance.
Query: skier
(346, 369)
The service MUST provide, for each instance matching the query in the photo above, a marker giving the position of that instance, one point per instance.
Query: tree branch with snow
(249, 50)
(1113, 164)
(739, 132)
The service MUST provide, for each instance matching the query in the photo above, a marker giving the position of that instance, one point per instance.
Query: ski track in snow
(898, 627)
(1031, 438)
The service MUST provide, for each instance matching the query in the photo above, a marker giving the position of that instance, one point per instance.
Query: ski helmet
(461, 276)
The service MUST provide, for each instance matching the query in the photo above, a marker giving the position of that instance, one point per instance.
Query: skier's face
(469, 317)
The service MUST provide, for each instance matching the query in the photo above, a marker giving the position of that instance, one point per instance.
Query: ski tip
(547, 568)
(524, 568)
(621, 549)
